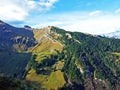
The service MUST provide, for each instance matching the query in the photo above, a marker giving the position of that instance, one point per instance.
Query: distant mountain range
(51, 58)
(115, 34)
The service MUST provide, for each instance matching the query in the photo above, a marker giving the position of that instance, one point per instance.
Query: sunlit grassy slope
(55, 80)
(117, 59)
(47, 46)
(32, 76)
(52, 81)
(116, 53)
(46, 41)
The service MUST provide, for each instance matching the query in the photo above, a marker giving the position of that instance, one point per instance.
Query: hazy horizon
(93, 16)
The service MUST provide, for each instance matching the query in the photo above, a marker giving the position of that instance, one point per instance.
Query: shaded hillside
(14, 43)
(15, 84)
(13, 63)
(15, 38)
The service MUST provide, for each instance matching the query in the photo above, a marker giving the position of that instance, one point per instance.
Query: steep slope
(45, 66)
(15, 38)
(46, 40)
(87, 61)
(14, 43)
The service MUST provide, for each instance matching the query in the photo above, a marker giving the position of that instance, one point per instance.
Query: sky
(88, 16)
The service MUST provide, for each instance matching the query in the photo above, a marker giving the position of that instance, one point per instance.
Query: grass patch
(32, 76)
(117, 58)
(43, 55)
(116, 53)
(55, 80)
(59, 65)
(47, 44)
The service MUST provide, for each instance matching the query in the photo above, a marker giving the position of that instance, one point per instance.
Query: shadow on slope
(13, 64)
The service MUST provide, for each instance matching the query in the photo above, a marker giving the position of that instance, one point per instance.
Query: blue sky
(88, 16)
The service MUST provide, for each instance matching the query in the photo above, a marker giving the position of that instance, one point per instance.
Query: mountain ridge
(58, 59)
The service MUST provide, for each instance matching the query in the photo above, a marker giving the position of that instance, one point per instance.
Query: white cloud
(96, 13)
(10, 10)
(117, 11)
(82, 22)
(31, 4)
(47, 4)
(95, 25)
(94, 22)
(17, 10)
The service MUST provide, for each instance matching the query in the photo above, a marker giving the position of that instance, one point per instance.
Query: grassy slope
(44, 49)
(116, 53)
(55, 80)
(47, 45)
(32, 76)
(52, 81)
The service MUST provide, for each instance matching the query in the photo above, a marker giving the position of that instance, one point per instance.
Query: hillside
(16, 39)
(57, 59)
(14, 43)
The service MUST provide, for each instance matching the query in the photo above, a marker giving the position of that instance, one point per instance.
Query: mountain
(115, 34)
(14, 43)
(15, 38)
(52, 58)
